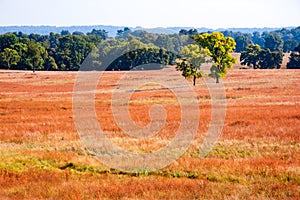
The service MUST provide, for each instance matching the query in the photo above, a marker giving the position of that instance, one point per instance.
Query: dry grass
(257, 156)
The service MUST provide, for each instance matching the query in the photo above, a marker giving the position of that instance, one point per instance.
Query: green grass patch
(24, 162)
(229, 151)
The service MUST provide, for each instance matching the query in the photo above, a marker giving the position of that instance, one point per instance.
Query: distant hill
(45, 30)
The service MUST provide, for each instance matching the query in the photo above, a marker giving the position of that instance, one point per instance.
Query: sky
(152, 13)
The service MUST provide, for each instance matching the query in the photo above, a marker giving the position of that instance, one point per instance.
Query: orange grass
(256, 157)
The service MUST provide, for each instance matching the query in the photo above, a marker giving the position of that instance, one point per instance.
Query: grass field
(256, 157)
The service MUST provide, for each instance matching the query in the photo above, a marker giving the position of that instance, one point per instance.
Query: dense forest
(66, 51)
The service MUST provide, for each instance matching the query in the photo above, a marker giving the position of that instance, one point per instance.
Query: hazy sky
(152, 13)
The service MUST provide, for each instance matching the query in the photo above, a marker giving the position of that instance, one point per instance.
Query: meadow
(256, 157)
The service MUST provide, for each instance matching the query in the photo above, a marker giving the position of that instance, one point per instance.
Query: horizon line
(82, 25)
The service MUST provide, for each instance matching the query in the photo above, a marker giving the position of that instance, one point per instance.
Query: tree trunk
(217, 79)
(194, 80)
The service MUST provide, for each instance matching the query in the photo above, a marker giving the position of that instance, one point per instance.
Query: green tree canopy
(259, 58)
(192, 56)
(101, 33)
(218, 48)
(250, 56)
(10, 56)
(7, 40)
(289, 45)
(270, 60)
(36, 56)
(294, 62)
(274, 42)
(22, 49)
(241, 42)
(257, 39)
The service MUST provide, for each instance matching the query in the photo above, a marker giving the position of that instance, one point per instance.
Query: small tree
(10, 56)
(218, 48)
(192, 58)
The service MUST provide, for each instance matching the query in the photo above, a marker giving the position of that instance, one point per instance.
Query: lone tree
(218, 48)
(192, 58)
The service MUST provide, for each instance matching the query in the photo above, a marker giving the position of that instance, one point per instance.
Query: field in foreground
(256, 157)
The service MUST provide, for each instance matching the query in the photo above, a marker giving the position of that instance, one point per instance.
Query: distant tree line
(266, 51)
(40, 52)
(284, 40)
(67, 51)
